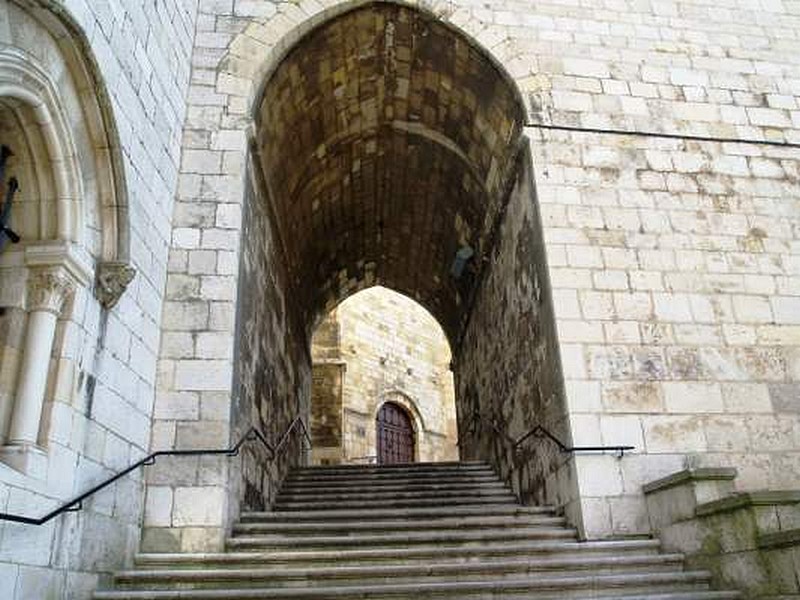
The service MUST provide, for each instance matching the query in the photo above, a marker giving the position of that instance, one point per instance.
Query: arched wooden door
(395, 435)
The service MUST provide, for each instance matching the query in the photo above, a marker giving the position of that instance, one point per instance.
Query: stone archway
(388, 150)
(383, 177)
(71, 214)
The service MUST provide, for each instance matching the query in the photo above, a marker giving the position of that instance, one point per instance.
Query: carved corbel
(111, 282)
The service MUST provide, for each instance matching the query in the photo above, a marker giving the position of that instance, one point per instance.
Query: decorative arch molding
(255, 53)
(73, 213)
(25, 78)
(404, 400)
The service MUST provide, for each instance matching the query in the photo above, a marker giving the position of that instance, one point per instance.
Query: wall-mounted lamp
(460, 262)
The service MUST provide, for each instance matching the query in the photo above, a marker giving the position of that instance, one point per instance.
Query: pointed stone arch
(71, 209)
(73, 121)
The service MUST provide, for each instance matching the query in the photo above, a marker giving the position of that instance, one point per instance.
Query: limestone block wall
(508, 373)
(675, 276)
(673, 261)
(99, 400)
(391, 349)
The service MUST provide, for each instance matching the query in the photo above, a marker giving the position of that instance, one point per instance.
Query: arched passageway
(388, 150)
(380, 347)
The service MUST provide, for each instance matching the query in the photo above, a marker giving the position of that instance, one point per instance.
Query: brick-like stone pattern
(675, 268)
(386, 348)
(507, 367)
(273, 374)
(351, 214)
(98, 407)
(621, 214)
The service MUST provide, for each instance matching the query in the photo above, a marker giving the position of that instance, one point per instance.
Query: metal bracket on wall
(6, 233)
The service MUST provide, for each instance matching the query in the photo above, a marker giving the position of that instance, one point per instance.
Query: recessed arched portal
(395, 439)
(388, 149)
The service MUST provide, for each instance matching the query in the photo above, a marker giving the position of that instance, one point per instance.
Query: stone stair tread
(363, 513)
(487, 553)
(448, 568)
(376, 496)
(386, 489)
(593, 583)
(415, 466)
(382, 475)
(365, 503)
(392, 481)
(473, 522)
(437, 537)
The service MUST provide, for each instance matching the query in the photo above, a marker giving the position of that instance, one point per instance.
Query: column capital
(48, 289)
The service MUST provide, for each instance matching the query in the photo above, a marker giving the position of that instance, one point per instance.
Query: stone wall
(390, 348)
(675, 270)
(673, 261)
(273, 363)
(507, 366)
(102, 375)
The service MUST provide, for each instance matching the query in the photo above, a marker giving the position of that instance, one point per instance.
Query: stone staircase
(444, 530)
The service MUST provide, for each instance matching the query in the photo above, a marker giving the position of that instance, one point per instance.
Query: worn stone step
(377, 478)
(348, 527)
(430, 512)
(390, 488)
(366, 503)
(385, 472)
(314, 484)
(540, 587)
(425, 554)
(402, 539)
(373, 574)
(395, 468)
(336, 496)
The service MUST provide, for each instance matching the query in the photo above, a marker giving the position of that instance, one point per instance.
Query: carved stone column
(48, 289)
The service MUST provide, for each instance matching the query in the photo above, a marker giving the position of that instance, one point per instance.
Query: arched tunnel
(389, 149)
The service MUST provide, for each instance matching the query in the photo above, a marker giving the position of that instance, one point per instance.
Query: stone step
(336, 496)
(291, 527)
(315, 484)
(409, 555)
(366, 503)
(391, 488)
(376, 574)
(403, 539)
(538, 587)
(379, 478)
(384, 472)
(431, 512)
(396, 468)
(411, 531)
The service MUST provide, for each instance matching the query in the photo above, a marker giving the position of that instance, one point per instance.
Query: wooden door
(395, 435)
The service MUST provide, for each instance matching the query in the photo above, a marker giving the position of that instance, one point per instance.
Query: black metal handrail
(251, 435)
(540, 432)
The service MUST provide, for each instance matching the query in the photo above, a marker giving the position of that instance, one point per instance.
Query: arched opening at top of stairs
(380, 346)
(388, 149)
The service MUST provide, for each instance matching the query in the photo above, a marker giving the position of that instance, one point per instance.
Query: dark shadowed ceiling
(386, 140)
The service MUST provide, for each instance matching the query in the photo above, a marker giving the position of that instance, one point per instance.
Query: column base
(25, 458)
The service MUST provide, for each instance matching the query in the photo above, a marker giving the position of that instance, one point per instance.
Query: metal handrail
(252, 434)
(540, 432)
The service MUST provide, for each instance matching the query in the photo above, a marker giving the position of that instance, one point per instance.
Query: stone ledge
(689, 475)
(779, 539)
(748, 499)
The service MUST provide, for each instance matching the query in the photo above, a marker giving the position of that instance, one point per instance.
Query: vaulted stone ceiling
(387, 140)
